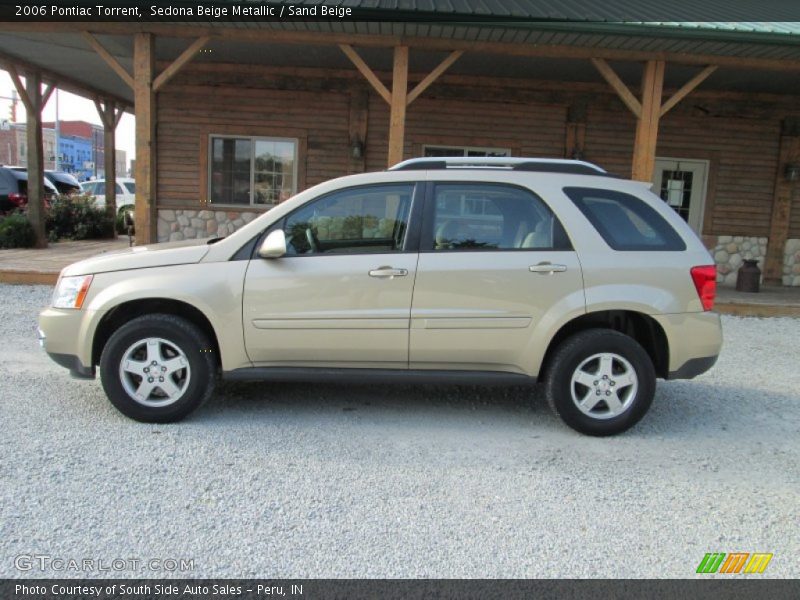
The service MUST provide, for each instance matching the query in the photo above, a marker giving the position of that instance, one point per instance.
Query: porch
(639, 100)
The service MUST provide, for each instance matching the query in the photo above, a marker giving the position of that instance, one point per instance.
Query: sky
(70, 108)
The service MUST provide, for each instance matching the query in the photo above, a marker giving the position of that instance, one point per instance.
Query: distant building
(121, 163)
(76, 156)
(93, 134)
(14, 146)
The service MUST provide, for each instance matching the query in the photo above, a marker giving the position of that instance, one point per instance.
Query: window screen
(624, 221)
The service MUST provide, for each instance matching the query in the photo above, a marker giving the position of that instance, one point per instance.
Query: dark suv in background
(14, 189)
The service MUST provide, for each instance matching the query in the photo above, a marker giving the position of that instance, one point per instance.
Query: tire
(600, 382)
(185, 365)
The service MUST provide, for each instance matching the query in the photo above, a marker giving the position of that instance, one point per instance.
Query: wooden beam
(368, 74)
(145, 103)
(23, 93)
(48, 91)
(67, 84)
(644, 147)
(687, 88)
(784, 193)
(273, 36)
(618, 86)
(397, 119)
(118, 117)
(110, 159)
(110, 60)
(35, 160)
(179, 62)
(101, 111)
(434, 75)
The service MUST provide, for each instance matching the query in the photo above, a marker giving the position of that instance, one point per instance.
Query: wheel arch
(639, 326)
(114, 318)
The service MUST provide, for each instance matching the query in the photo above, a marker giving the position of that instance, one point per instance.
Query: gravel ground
(301, 480)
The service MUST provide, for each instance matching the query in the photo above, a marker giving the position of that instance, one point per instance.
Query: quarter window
(251, 170)
(370, 219)
(493, 217)
(624, 221)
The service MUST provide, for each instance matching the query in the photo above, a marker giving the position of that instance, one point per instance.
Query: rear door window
(481, 216)
(624, 221)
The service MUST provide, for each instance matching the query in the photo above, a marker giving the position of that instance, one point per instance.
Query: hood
(141, 257)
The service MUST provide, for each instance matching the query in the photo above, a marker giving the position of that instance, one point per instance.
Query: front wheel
(600, 382)
(158, 368)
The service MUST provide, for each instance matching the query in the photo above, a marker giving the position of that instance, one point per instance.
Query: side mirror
(274, 246)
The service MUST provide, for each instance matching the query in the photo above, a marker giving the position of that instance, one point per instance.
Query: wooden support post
(31, 95)
(644, 147)
(145, 107)
(110, 119)
(397, 119)
(783, 195)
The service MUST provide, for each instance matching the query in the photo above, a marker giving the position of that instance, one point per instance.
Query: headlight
(71, 291)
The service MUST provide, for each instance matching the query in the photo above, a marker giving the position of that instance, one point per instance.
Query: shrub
(16, 232)
(78, 218)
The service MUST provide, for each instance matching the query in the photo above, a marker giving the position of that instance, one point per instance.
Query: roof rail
(542, 165)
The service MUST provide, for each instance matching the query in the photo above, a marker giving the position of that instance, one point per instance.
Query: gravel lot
(300, 480)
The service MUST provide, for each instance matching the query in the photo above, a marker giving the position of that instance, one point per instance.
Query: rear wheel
(158, 368)
(600, 382)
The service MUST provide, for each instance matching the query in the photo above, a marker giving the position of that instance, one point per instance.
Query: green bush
(77, 218)
(16, 232)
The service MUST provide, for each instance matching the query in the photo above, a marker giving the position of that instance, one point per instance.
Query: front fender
(215, 289)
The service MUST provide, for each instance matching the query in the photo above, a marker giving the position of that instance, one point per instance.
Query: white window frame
(253, 139)
(466, 149)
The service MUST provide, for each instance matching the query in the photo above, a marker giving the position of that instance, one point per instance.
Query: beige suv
(457, 270)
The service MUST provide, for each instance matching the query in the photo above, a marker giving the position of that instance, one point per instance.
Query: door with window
(341, 296)
(493, 260)
(682, 185)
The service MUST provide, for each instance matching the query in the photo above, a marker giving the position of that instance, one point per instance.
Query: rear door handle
(388, 272)
(546, 268)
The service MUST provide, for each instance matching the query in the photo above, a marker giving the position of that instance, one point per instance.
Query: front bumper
(76, 368)
(62, 335)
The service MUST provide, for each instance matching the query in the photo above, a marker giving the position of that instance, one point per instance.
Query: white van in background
(125, 188)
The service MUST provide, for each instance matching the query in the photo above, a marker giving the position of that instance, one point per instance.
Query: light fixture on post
(791, 171)
(356, 149)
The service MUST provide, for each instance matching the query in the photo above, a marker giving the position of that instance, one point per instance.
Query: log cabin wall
(740, 141)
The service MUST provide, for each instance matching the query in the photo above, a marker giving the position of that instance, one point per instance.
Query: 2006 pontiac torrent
(462, 270)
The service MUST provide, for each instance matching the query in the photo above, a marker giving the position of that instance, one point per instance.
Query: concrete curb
(28, 277)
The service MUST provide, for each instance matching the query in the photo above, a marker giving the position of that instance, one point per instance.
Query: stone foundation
(729, 252)
(791, 263)
(176, 225)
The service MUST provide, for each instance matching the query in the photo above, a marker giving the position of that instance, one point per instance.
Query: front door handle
(546, 268)
(388, 272)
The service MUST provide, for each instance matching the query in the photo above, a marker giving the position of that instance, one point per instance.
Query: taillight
(18, 199)
(705, 282)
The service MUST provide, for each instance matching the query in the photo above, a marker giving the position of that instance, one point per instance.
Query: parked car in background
(125, 188)
(465, 270)
(65, 182)
(14, 189)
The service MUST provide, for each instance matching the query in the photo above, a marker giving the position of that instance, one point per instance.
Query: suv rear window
(624, 221)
